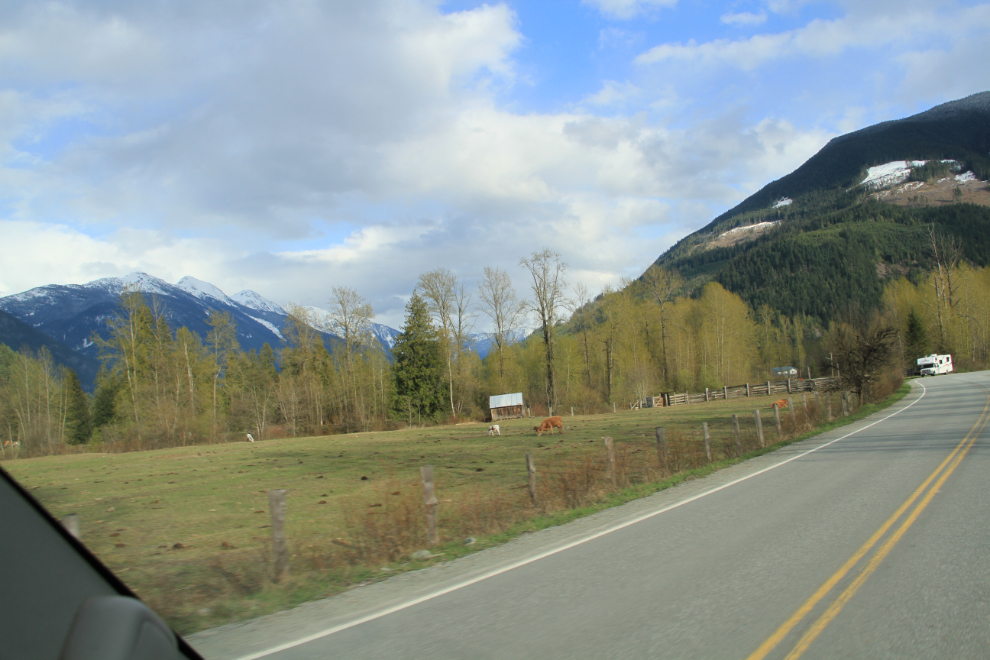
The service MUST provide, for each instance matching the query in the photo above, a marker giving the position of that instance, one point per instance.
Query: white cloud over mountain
(290, 147)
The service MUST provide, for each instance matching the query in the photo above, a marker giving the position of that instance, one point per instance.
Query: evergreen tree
(916, 339)
(418, 369)
(78, 425)
(105, 401)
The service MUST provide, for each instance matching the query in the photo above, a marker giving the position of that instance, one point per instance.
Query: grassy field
(188, 528)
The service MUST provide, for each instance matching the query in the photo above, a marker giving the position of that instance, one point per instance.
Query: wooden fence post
(71, 524)
(747, 389)
(706, 395)
(531, 476)
(276, 505)
(725, 392)
(661, 446)
(769, 389)
(613, 406)
(776, 416)
(828, 406)
(790, 409)
(759, 427)
(572, 411)
(708, 441)
(430, 503)
(845, 404)
(610, 459)
(788, 384)
(804, 402)
(735, 426)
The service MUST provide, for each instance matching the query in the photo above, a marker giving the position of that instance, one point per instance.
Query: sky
(293, 146)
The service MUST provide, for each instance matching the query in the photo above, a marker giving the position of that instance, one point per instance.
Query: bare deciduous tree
(610, 318)
(863, 348)
(663, 284)
(947, 253)
(350, 318)
(500, 303)
(222, 341)
(547, 271)
(579, 309)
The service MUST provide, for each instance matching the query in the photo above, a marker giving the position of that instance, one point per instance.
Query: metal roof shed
(506, 406)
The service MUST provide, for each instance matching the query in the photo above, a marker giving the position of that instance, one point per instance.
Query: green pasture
(155, 516)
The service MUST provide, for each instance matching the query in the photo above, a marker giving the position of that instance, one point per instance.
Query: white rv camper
(931, 365)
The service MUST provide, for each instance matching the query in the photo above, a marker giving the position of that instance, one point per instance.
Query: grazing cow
(780, 403)
(549, 424)
(494, 430)
(250, 438)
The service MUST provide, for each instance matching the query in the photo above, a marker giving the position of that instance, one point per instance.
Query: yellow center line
(771, 642)
(874, 562)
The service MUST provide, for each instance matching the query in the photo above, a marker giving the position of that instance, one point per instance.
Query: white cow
(494, 430)
(250, 438)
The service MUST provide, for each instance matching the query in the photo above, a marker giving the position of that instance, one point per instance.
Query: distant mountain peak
(203, 290)
(143, 282)
(256, 301)
(72, 313)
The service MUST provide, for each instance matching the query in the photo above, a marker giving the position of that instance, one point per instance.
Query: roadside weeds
(377, 538)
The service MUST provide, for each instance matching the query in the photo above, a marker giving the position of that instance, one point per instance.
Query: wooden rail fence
(789, 386)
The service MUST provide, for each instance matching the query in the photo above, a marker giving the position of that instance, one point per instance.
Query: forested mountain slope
(828, 234)
(17, 335)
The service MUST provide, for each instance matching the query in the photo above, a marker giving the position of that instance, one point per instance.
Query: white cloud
(951, 72)
(825, 38)
(614, 94)
(60, 254)
(627, 9)
(295, 146)
(744, 18)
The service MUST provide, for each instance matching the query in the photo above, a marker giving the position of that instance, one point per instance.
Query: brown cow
(780, 403)
(548, 425)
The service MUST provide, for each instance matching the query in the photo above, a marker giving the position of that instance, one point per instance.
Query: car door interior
(59, 601)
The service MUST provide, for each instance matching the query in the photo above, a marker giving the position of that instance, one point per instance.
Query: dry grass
(188, 528)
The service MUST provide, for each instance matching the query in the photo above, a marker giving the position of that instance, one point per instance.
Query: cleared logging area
(190, 529)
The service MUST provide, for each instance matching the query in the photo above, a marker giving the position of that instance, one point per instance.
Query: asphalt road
(876, 544)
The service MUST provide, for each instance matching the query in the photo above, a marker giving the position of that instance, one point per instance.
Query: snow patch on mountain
(783, 201)
(318, 318)
(759, 226)
(385, 335)
(256, 301)
(270, 326)
(967, 176)
(203, 290)
(892, 173)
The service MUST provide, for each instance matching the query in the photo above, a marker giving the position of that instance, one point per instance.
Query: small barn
(506, 406)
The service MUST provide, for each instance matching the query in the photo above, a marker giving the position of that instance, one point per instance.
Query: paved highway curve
(868, 542)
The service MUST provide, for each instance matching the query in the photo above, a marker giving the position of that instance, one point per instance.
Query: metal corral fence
(788, 386)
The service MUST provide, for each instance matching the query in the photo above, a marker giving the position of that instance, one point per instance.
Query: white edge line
(548, 553)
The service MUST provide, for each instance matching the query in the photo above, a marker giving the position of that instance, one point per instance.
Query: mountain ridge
(943, 134)
(70, 314)
(819, 239)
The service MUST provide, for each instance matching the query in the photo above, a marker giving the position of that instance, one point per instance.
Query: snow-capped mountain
(257, 302)
(205, 290)
(72, 313)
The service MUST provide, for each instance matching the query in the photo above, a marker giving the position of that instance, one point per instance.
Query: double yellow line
(939, 476)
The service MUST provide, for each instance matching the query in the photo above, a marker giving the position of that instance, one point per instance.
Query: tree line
(169, 387)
